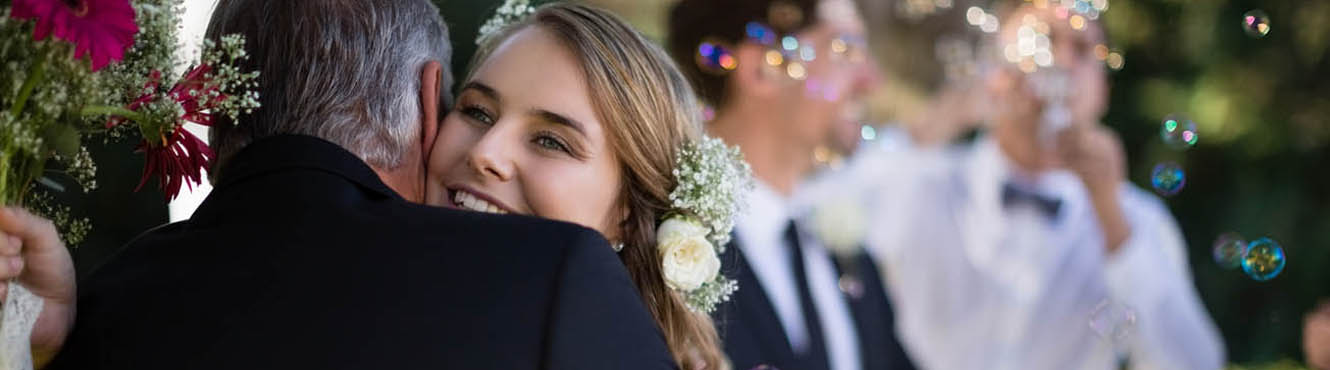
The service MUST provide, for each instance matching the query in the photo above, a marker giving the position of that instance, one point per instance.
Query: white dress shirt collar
(761, 234)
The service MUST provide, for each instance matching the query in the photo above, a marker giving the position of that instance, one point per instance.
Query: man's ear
(431, 76)
(753, 76)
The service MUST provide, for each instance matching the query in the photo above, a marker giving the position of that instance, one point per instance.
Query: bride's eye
(550, 142)
(479, 114)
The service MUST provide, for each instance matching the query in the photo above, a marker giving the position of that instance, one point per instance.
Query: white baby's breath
(713, 178)
(712, 181)
(510, 12)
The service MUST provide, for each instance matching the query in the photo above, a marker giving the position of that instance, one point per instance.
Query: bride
(570, 114)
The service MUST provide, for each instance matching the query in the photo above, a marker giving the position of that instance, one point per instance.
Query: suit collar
(755, 309)
(289, 152)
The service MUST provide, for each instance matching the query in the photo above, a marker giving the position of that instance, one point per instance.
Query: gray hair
(347, 71)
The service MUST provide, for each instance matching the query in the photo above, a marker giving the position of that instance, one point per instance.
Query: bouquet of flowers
(74, 70)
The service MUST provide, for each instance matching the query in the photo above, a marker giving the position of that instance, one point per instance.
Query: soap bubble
(1264, 259)
(1168, 178)
(1113, 321)
(1229, 249)
(714, 57)
(1256, 23)
(1178, 131)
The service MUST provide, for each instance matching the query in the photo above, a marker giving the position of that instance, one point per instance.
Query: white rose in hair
(689, 259)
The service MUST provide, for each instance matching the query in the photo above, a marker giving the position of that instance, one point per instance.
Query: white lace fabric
(19, 316)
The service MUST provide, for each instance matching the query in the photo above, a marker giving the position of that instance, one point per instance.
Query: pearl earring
(617, 247)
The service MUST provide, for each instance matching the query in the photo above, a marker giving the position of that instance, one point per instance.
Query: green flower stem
(5, 159)
(35, 75)
(106, 110)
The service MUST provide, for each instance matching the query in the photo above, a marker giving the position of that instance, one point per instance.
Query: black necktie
(815, 356)
(1049, 206)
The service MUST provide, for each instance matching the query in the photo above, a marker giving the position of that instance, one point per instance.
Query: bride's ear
(431, 76)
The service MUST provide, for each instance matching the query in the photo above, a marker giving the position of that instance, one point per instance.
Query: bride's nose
(489, 160)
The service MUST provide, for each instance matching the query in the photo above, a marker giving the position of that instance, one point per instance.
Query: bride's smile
(525, 138)
(476, 201)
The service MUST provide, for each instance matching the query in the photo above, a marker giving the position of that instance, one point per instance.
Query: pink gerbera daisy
(101, 29)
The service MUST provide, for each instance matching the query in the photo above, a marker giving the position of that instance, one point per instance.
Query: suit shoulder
(516, 229)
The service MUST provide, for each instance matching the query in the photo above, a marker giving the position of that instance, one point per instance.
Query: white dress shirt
(761, 236)
(979, 285)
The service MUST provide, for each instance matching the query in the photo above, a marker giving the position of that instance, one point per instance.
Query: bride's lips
(454, 191)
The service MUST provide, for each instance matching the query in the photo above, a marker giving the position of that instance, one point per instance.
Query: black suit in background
(301, 258)
(753, 335)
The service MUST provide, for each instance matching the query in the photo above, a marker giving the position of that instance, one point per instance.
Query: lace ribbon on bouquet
(19, 315)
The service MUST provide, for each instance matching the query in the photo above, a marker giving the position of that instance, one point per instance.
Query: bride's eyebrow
(559, 119)
(484, 89)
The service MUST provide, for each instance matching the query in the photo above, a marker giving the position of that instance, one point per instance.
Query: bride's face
(524, 138)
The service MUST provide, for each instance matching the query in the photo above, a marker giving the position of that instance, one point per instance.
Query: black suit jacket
(301, 259)
(753, 335)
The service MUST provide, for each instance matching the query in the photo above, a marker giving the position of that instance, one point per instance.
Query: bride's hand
(31, 251)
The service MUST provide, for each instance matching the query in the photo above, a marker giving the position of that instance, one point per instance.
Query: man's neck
(408, 179)
(1019, 148)
(776, 162)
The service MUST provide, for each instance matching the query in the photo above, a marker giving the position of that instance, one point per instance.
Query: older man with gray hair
(311, 252)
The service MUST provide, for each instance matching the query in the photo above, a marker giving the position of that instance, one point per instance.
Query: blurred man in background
(786, 77)
(1028, 249)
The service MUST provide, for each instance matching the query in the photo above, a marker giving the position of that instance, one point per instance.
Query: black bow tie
(1012, 195)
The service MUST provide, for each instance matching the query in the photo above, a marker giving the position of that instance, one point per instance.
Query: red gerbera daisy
(180, 160)
(101, 29)
(178, 157)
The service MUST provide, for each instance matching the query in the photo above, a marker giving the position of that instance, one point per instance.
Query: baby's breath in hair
(712, 181)
(238, 88)
(713, 178)
(510, 12)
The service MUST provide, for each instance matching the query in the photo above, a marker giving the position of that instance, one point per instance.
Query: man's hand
(31, 251)
(953, 112)
(1316, 336)
(1095, 154)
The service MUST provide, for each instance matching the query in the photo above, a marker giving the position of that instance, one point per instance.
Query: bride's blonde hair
(650, 112)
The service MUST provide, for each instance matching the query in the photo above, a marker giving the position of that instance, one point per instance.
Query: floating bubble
(1115, 61)
(785, 15)
(714, 57)
(1101, 52)
(774, 58)
(1229, 249)
(1178, 131)
(807, 53)
(975, 16)
(1264, 259)
(1113, 321)
(1168, 178)
(796, 71)
(1256, 23)
(990, 24)
(839, 46)
(1077, 22)
(760, 33)
(789, 43)
(868, 133)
